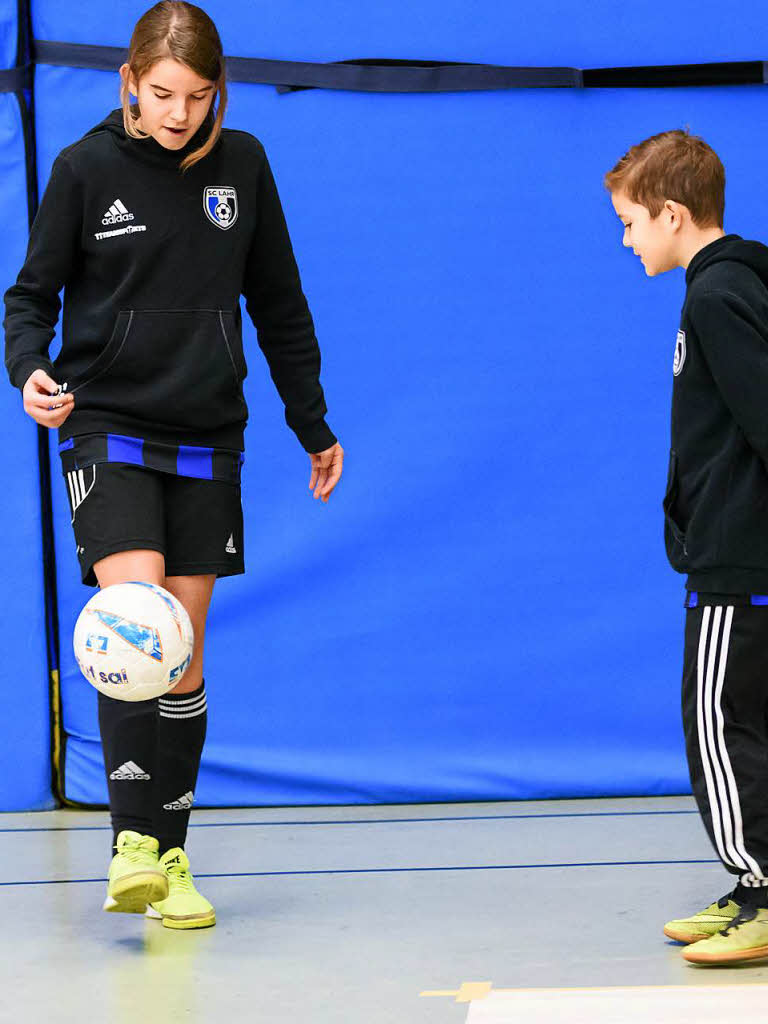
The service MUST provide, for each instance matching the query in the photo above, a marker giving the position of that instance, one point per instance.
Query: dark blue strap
(388, 75)
(79, 55)
(737, 72)
(16, 79)
(382, 75)
(367, 75)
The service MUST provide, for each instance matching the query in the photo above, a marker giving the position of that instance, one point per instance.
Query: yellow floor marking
(469, 990)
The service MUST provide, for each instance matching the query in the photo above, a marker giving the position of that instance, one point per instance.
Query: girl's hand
(326, 471)
(42, 401)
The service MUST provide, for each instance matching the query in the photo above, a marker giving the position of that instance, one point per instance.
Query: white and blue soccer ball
(133, 641)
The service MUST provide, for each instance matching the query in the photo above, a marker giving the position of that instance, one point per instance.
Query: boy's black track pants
(725, 717)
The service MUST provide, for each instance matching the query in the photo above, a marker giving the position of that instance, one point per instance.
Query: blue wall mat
(483, 610)
(9, 31)
(25, 767)
(556, 32)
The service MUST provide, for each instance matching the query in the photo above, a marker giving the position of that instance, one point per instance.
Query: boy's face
(654, 240)
(171, 96)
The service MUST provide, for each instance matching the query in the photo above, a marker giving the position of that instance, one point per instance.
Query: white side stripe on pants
(722, 792)
(77, 489)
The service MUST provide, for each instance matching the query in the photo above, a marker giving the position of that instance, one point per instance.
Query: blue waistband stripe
(756, 600)
(125, 449)
(203, 463)
(195, 461)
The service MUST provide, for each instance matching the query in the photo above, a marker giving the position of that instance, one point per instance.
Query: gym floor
(485, 913)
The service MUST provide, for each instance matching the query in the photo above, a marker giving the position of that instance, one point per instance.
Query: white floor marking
(664, 1004)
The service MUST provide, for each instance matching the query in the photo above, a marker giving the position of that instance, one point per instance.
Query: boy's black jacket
(716, 504)
(153, 262)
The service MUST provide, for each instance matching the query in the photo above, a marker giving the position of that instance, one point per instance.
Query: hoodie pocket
(178, 367)
(676, 539)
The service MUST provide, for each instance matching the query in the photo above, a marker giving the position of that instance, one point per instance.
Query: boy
(669, 192)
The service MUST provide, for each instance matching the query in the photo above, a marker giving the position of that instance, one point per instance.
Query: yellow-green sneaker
(706, 923)
(745, 938)
(184, 907)
(134, 876)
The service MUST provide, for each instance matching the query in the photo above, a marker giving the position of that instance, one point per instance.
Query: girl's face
(173, 101)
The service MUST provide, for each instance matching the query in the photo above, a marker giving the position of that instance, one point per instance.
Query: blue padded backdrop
(25, 764)
(483, 610)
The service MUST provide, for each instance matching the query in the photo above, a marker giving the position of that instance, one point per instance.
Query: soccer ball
(223, 212)
(133, 641)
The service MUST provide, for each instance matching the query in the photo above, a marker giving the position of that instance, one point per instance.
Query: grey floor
(407, 914)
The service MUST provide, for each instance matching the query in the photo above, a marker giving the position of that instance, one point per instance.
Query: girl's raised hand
(43, 403)
(326, 471)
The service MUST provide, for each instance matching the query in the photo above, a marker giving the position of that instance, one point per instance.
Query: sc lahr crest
(220, 205)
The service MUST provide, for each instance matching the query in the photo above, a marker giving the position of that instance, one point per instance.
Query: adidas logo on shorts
(129, 770)
(230, 548)
(116, 213)
(184, 803)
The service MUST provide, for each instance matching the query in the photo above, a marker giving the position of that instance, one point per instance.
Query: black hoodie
(716, 505)
(153, 262)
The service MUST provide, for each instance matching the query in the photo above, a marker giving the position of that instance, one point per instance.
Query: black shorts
(196, 524)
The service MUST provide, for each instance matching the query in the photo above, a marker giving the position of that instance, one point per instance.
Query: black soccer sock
(756, 897)
(129, 742)
(182, 723)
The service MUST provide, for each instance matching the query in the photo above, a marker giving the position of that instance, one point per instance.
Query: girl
(155, 222)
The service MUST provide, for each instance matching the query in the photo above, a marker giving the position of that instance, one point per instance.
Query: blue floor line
(373, 821)
(386, 871)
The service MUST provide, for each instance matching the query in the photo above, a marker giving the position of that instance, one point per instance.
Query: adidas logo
(184, 803)
(129, 770)
(230, 548)
(116, 213)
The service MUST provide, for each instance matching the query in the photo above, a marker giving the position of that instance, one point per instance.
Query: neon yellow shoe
(706, 923)
(184, 907)
(745, 938)
(134, 877)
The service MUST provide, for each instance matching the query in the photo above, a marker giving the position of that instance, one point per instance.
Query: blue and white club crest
(220, 205)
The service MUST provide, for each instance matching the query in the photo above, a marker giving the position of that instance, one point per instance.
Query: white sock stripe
(184, 708)
(703, 750)
(191, 707)
(189, 714)
(180, 703)
(738, 836)
(726, 808)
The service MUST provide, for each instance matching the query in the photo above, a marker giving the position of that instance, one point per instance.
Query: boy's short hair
(673, 165)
